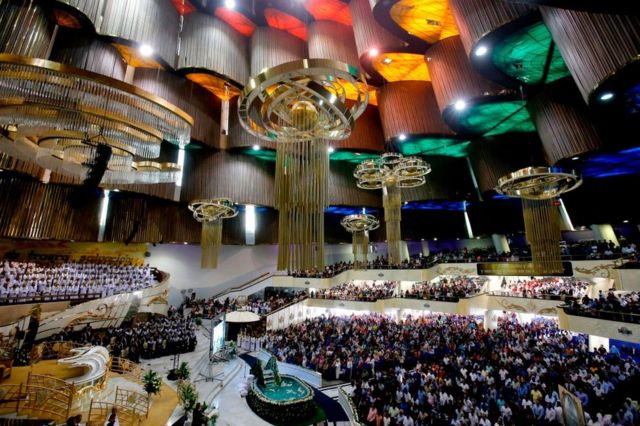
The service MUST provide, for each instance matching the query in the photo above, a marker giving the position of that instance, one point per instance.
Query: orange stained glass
(285, 22)
(215, 85)
(184, 7)
(236, 20)
(65, 19)
(429, 20)
(329, 10)
(132, 57)
(401, 66)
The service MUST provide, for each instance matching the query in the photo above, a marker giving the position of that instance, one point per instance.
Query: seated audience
(546, 286)
(362, 291)
(618, 307)
(273, 300)
(26, 281)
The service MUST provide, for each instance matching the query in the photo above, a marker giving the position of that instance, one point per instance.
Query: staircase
(268, 377)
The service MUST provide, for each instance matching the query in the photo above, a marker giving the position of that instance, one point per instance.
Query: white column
(224, 123)
(491, 319)
(596, 341)
(250, 224)
(500, 243)
(425, 248)
(104, 210)
(404, 251)
(604, 232)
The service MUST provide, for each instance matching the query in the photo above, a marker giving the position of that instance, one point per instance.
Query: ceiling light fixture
(402, 136)
(256, 148)
(331, 149)
(387, 60)
(230, 4)
(606, 96)
(625, 221)
(373, 52)
(460, 105)
(146, 50)
(481, 50)
(575, 158)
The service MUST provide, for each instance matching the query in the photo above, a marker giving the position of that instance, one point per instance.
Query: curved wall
(271, 47)
(26, 29)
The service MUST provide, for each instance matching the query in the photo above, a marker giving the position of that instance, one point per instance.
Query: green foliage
(272, 365)
(256, 371)
(188, 395)
(198, 321)
(152, 382)
(183, 372)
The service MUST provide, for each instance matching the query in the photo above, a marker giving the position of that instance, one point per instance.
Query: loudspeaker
(134, 231)
(98, 166)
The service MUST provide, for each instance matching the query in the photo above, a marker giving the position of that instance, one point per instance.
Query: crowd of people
(30, 281)
(599, 249)
(272, 300)
(448, 370)
(361, 291)
(449, 288)
(154, 338)
(617, 306)
(555, 287)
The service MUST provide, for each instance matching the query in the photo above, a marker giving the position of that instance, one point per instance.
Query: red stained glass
(283, 21)
(236, 20)
(184, 7)
(329, 10)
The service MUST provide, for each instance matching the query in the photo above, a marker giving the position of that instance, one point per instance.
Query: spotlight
(481, 50)
(435, 238)
(256, 148)
(331, 149)
(146, 50)
(606, 96)
(387, 61)
(115, 190)
(402, 137)
(406, 202)
(459, 105)
(373, 52)
(230, 4)
(625, 221)
(575, 158)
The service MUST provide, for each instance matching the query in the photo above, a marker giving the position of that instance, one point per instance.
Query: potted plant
(151, 383)
(183, 372)
(188, 396)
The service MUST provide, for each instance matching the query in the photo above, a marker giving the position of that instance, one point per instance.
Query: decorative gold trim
(56, 66)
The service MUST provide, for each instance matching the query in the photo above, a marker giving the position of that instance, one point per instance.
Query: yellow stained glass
(133, 58)
(215, 85)
(401, 67)
(429, 20)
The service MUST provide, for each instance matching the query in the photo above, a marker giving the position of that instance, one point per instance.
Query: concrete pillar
(404, 251)
(604, 232)
(224, 123)
(501, 243)
(596, 341)
(491, 319)
(425, 248)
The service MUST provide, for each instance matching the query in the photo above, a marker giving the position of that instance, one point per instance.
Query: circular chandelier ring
(538, 183)
(360, 222)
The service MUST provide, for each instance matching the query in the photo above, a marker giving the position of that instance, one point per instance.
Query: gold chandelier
(301, 105)
(538, 187)
(392, 172)
(56, 116)
(211, 213)
(359, 226)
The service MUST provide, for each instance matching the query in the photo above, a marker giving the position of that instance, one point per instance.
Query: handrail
(286, 306)
(248, 284)
(350, 409)
(627, 317)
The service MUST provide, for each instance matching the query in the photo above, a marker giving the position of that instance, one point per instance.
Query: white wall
(236, 265)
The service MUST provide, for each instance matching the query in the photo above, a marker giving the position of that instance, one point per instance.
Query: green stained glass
(263, 154)
(523, 55)
(435, 146)
(496, 118)
(352, 157)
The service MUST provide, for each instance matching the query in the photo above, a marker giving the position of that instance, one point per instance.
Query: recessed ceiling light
(481, 50)
(230, 4)
(606, 96)
(625, 221)
(256, 148)
(575, 158)
(146, 50)
(435, 238)
(357, 153)
(406, 202)
(459, 105)
(373, 52)
(387, 61)
(331, 149)
(402, 137)
(115, 190)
